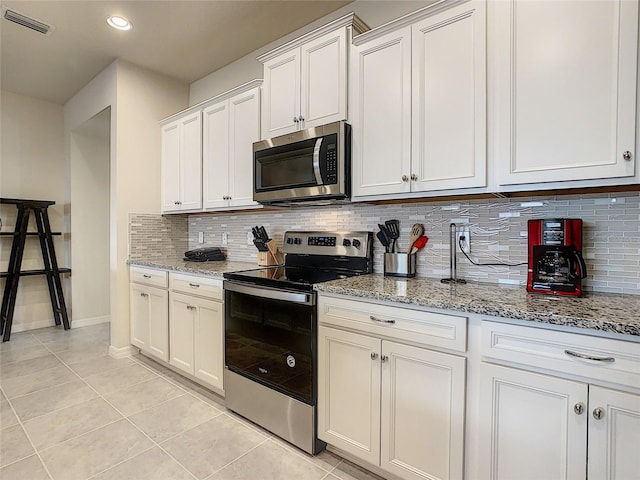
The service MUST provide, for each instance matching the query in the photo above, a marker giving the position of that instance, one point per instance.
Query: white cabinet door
(139, 308)
(191, 162)
(281, 103)
(423, 411)
(614, 437)
(171, 167)
(209, 342)
(449, 99)
(324, 80)
(215, 155)
(565, 74)
(182, 314)
(158, 345)
(244, 119)
(380, 112)
(349, 392)
(529, 429)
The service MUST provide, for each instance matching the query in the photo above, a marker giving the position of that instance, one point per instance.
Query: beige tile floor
(68, 411)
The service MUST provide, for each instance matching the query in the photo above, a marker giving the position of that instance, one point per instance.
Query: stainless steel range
(271, 326)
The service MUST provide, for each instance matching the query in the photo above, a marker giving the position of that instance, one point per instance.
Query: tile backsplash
(498, 233)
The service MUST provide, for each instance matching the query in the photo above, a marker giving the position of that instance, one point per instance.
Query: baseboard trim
(25, 327)
(86, 322)
(122, 352)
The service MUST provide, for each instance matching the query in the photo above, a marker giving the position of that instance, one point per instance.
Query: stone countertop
(597, 311)
(213, 269)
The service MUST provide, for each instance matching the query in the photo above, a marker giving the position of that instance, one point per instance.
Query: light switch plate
(200, 237)
(225, 238)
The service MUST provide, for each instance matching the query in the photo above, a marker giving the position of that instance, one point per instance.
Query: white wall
(32, 166)
(138, 99)
(373, 12)
(89, 172)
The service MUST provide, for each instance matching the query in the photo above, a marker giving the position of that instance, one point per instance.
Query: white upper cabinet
(305, 80)
(418, 103)
(182, 164)
(448, 147)
(565, 89)
(229, 129)
(380, 114)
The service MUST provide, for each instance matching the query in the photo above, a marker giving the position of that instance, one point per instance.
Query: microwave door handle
(316, 161)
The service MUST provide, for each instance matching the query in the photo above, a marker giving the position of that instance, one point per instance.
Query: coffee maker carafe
(556, 265)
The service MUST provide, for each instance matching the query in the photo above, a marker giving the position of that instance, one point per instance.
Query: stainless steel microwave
(309, 166)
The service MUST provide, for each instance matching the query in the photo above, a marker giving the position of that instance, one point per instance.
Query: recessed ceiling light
(119, 23)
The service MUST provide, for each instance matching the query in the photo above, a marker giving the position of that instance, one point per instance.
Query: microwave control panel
(332, 164)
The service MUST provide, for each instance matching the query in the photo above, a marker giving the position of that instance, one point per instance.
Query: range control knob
(289, 241)
(297, 240)
(346, 242)
(356, 243)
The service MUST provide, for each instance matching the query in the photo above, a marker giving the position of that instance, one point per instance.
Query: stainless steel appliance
(556, 265)
(309, 166)
(271, 331)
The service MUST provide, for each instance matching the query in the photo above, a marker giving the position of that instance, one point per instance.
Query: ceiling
(183, 39)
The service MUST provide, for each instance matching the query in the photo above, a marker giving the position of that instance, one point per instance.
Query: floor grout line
(236, 459)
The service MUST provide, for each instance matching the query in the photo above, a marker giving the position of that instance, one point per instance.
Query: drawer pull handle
(142, 294)
(146, 276)
(191, 307)
(374, 355)
(590, 357)
(578, 408)
(598, 413)
(381, 320)
(194, 285)
(384, 358)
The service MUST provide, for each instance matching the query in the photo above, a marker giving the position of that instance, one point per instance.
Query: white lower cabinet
(535, 425)
(197, 328)
(148, 312)
(393, 405)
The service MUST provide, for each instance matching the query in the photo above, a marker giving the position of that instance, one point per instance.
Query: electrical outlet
(249, 238)
(225, 238)
(463, 231)
(200, 237)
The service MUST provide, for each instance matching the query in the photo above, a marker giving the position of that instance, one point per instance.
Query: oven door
(270, 337)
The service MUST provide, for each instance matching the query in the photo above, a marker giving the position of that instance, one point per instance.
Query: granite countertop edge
(614, 313)
(606, 312)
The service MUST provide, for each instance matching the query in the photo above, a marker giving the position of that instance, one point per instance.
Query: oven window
(272, 342)
(286, 167)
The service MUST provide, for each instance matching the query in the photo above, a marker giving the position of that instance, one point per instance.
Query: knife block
(273, 257)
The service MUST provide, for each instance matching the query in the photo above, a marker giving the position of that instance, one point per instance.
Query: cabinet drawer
(415, 326)
(149, 276)
(598, 358)
(193, 285)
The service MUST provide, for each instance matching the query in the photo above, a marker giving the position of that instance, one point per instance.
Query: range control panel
(353, 244)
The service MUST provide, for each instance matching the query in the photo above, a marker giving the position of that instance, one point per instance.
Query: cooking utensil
(419, 244)
(393, 227)
(384, 240)
(416, 232)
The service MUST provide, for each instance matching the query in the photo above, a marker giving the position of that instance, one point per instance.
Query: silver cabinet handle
(405, 178)
(381, 320)
(190, 307)
(295, 119)
(578, 408)
(374, 355)
(146, 276)
(627, 155)
(598, 413)
(142, 294)
(384, 358)
(194, 285)
(589, 357)
(301, 118)
(414, 177)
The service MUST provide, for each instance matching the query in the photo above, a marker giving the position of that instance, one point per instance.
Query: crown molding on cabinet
(407, 19)
(350, 19)
(210, 101)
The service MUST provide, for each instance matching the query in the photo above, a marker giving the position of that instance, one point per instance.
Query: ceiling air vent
(32, 23)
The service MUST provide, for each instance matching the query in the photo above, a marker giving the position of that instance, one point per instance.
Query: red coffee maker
(556, 265)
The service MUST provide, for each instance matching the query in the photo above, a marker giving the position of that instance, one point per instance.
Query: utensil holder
(272, 257)
(400, 265)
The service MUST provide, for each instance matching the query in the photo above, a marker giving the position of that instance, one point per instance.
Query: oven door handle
(316, 161)
(272, 293)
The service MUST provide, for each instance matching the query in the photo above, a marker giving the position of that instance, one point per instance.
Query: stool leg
(46, 260)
